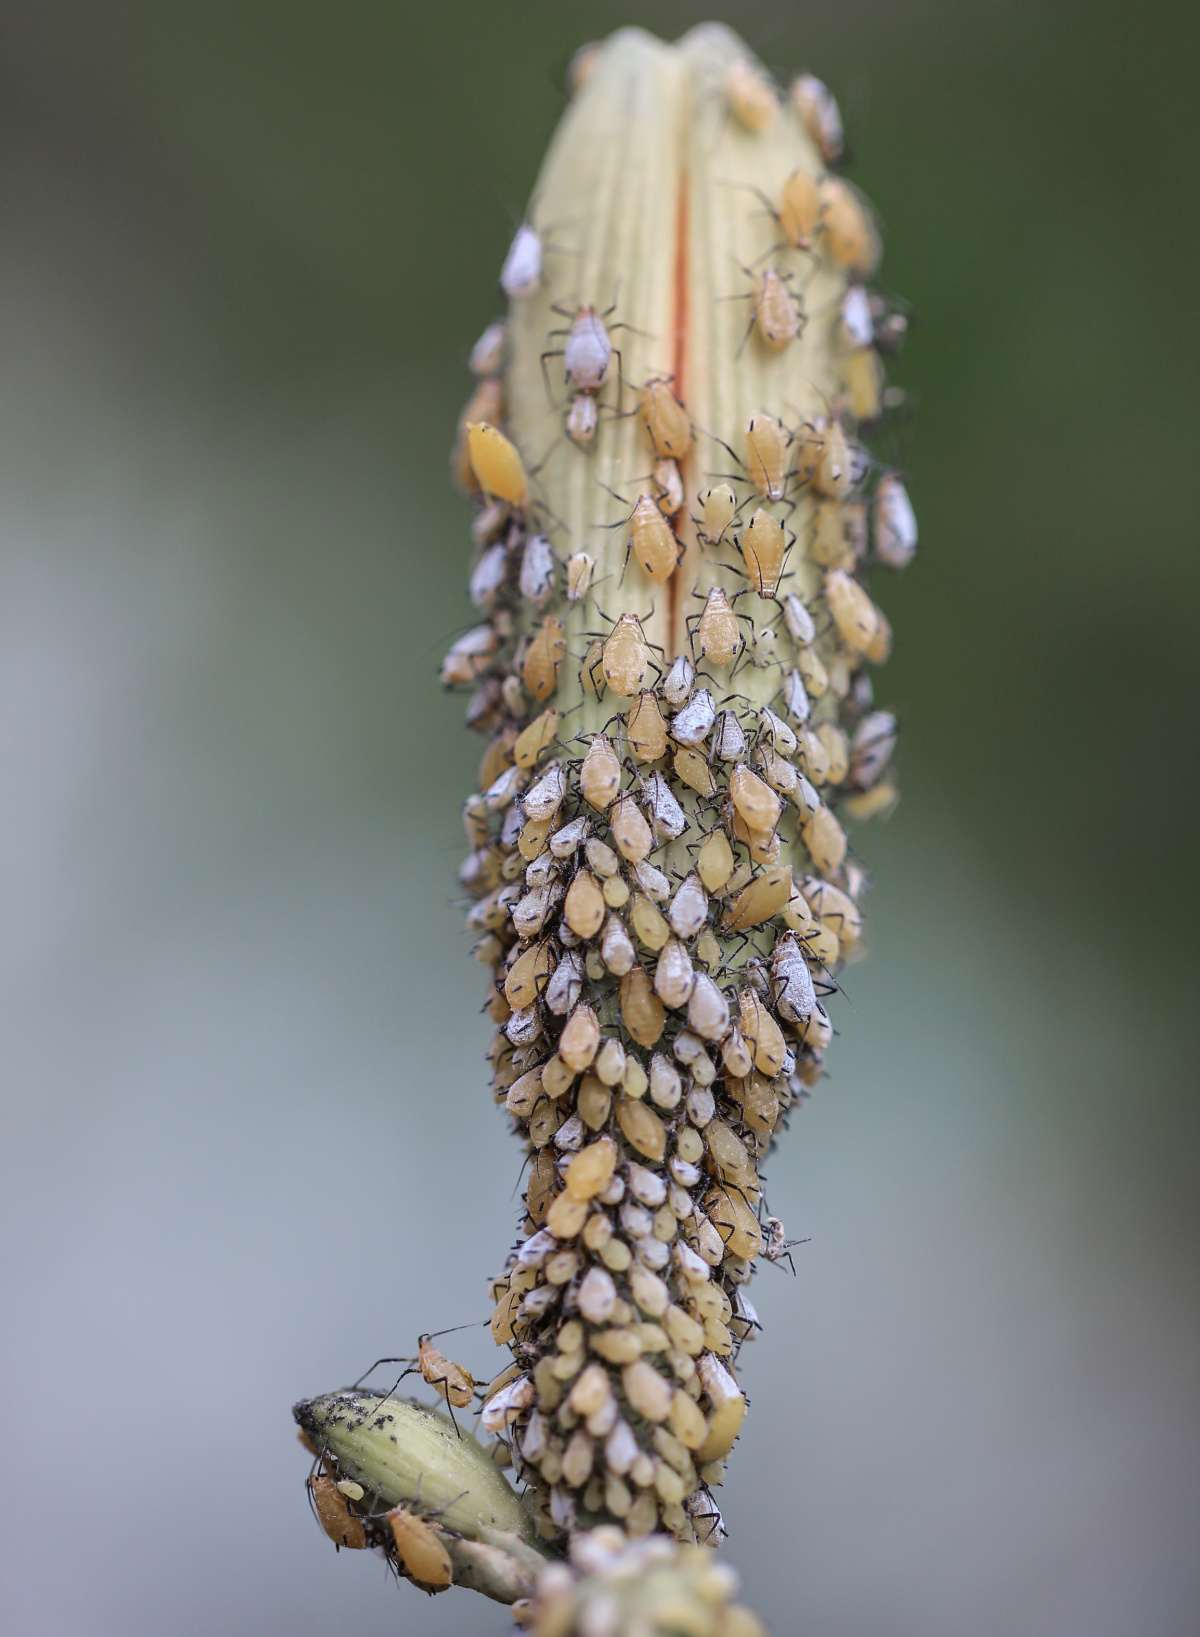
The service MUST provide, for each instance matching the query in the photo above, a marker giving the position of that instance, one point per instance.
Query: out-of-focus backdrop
(248, 1142)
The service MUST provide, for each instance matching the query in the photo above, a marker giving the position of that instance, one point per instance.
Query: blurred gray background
(249, 1144)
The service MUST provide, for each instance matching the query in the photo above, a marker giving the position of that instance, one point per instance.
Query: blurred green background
(249, 1143)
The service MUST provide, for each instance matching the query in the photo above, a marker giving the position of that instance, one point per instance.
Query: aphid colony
(678, 723)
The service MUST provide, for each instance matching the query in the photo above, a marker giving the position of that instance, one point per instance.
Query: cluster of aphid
(661, 880)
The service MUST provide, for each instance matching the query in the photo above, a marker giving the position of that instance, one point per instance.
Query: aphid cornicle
(521, 273)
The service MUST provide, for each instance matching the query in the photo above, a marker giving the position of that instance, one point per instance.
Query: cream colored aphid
(716, 632)
(521, 273)
(800, 209)
(718, 505)
(778, 310)
(487, 355)
(768, 455)
(582, 419)
(764, 546)
(851, 238)
(752, 98)
(625, 657)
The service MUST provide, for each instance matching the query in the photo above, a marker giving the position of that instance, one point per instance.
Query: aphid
(850, 234)
(538, 565)
(651, 540)
(768, 452)
(582, 418)
(858, 324)
(718, 506)
(600, 775)
(755, 801)
(799, 213)
(689, 907)
(583, 907)
(469, 656)
(333, 1513)
(714, 862)
(729, 740)
(834, 472)
(455, 1384)
(716, 629)
(665, 419)
(691, 725)
(778, 311)
(625, 657)
(679, 680)
(587, 351)
(580, 567)
(488, 576)
(794, 994)
(854, 614)
(764, 547)
(751, 96)
(668, 485)
(522, 270)
(863, 384)
(760, 899)
(871, 748)
(646, 729)
(497, 466)
(487, 355)
(895, 523)
(419, 1550)
(543, 657)
(820, 115)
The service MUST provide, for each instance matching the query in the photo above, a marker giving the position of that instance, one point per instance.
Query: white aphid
(895, 523)
(522, 270)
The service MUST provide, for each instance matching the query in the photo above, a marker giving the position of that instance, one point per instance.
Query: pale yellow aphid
(666, 420)
(580, 567)
(760, 899)
(584, 908)
(863, 383)
(498, 468)
(625, 657)
(764, 546)
(833, 471)
(631, 832)
(714, 862)
(850, 235)
(751, 97)
(651, 540)
(543, 656)
(755, 801)
(717, 629)
(419, 1550)
(825, 840)
(646, 729)
(800, 209)
(854, 614)
(334, 1514)
(717, 508)
(642, 1013)
(600, 775)
(778, 313)
(768, 455)
(528, 975)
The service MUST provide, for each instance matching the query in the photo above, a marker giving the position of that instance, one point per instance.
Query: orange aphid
(334, 1514)
(666, 420)
(419, 1549)
(543, 657)
(456, 1385)
(498, 468)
